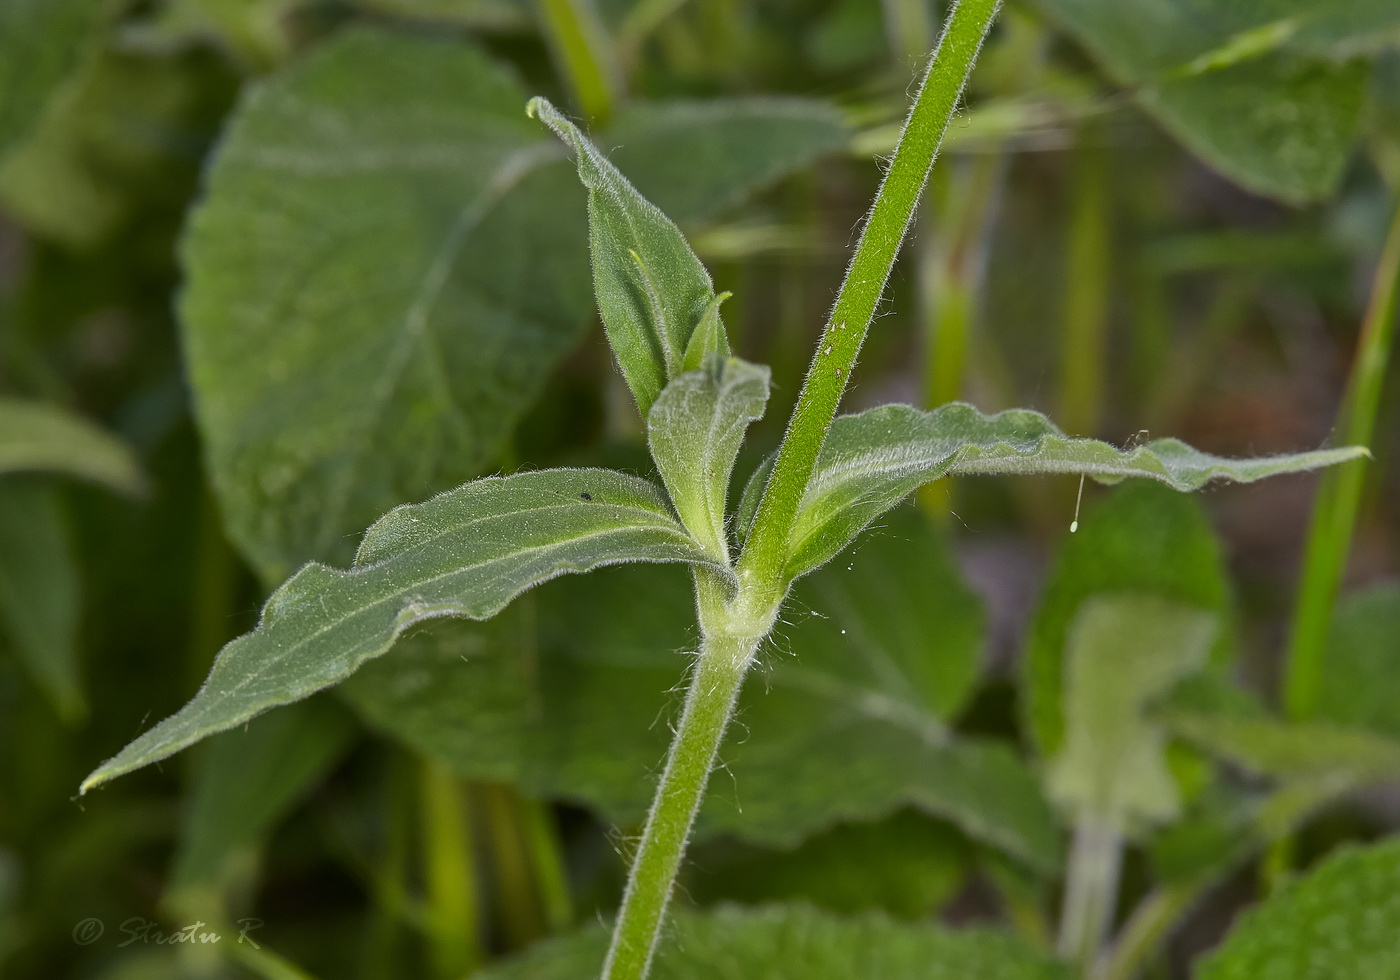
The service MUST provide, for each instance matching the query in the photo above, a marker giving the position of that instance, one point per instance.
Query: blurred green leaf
(1122, 651)
(129, 129)
(408, 168)
(39, 437)
(40, 589)
(652, 291)
(875, 459)
(694, 430)
(907, 865)
(464, 553)
(1141, 538)
(1339, 922)
(1361, 685)
(249, 779)
(1253, 89)
(845, 720)
(40, 43)
(796, 942)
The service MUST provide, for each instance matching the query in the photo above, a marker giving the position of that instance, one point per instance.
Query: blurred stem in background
(584, 56)
(453, 910)
(1083, 353)
(1091, 889)
(1339, 489)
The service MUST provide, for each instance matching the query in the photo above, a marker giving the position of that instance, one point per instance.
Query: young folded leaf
(873, 460)
(694, 429)
(467, 553)
(652, 291)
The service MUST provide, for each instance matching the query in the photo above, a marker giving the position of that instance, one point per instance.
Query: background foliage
(269, 268)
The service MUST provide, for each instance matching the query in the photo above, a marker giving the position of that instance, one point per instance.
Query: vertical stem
(583, 53)
(1083, 353)
(1145, 929)
(766, 553)
(450, 869)
(714, 688)
(551, 877)
(519, 916)
(1339, 490)
(1091, 891)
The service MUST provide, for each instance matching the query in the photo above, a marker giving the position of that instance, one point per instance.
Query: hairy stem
(761, 566)
(714, 688)
(1091, 892)
(1339, 491)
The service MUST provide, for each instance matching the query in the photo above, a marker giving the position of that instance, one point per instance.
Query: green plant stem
(762, 565)
(1339, 490)
(1083, 354)
(714, 688)
(450, 869)
(1146, 928)
(1091, 889)
(547, 858)
(584, 55)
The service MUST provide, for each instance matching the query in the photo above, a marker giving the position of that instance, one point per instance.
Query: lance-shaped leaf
(652, 291)
(848, 720)
(35, 436)
(694, 429)
(1338, 922)
(1124, 651)
(779, 942)
(873, 460)
(464, 553)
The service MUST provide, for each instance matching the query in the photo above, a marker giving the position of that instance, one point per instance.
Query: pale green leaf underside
(38, 437)
(694, 429)
(872, 460)
(652, 290)
(566, 695)
(1339, 922)
(796, 942)
(1123, 651)
(464, 553)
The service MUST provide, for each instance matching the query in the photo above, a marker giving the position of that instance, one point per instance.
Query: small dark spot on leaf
(586, 495)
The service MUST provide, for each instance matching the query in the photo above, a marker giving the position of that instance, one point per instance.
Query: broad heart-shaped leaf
(1141, 538)
(406, 166)
(1252, 88)
(694, 430)
(39, 437)
(845, 719)
(1123, 651)
(248, 779)
(1338, 922)
(652, 291)
(463, 553)
(1361, 685)
(40, 42)
(40, 589)
(796, 942)
(873, 460)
